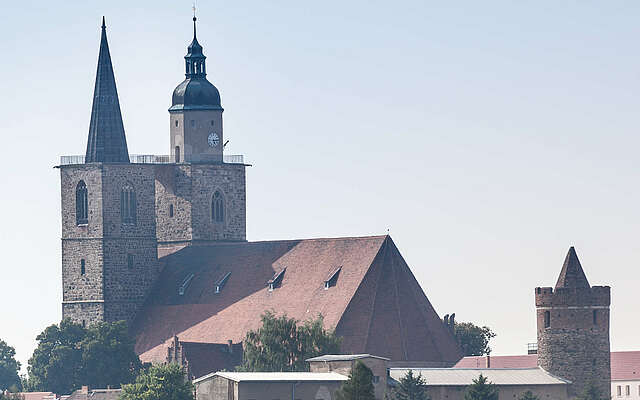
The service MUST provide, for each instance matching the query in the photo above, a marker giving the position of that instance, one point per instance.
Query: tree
(108, 355)
(9, 367)
(481, 389)
(411, 387)
(473, 340)
(359, 386)
(281, 344)
(69, 356)
(528, 395)
(159, 382)
(592, 392)
(54, 365)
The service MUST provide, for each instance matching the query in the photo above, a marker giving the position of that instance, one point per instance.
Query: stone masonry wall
(130, 250)
(575, 346)
(82, 295)
(190, 188)
(120, 259)
(229, 179)
(173, 190)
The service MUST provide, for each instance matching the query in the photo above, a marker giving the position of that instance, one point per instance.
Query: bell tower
(195, 115)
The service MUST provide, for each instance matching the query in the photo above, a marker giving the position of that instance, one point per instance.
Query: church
(160, 242)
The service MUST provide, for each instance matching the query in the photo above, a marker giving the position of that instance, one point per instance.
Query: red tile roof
(499, 362)
(625, 365)
(376, 305)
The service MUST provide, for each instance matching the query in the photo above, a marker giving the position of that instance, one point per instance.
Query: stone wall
(82, 295)
(189, 188)
(120, 259)
(190, 130)
(573, 336)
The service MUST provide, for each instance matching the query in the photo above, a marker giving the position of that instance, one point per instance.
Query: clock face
(213, 139)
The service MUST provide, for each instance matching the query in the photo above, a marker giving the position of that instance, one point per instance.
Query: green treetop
(481, 389)
(359, 386)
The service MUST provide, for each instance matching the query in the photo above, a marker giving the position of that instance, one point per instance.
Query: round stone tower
(573, 329)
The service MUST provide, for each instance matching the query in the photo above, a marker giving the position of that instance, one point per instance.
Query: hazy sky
(487, 137)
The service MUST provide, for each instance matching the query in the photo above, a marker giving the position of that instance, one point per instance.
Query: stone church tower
(121, 212)
(573, 329)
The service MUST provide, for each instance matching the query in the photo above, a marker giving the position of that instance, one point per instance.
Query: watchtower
(573, 329)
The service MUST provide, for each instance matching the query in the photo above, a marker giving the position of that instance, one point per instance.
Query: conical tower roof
(572, 275)
(107, 142)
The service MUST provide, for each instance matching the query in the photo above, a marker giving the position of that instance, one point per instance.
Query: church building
(160, 241)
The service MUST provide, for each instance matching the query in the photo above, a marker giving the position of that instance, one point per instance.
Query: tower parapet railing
(150, 159)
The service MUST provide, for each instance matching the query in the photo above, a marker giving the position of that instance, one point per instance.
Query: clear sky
(486, 137)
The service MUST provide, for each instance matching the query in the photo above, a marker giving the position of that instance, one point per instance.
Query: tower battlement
(573, 297)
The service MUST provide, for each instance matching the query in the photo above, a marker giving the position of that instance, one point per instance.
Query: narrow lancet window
(82, 204)
(217, 207)
(128, 204)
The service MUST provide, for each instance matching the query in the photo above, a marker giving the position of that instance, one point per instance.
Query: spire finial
(104, 26)
(194, 19)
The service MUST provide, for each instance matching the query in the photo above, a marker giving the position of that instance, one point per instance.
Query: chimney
(230, 345)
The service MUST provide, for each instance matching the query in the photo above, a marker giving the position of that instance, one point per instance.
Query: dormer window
(332, 279)
(220, 284)
(276, 281)
(185, 284)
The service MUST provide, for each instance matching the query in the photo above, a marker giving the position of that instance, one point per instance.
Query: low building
(451, 384)
(625, 375)
(625, 369)
(268, 385)
(344, 363)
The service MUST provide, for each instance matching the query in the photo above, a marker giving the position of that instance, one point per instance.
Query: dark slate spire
(572, 275)
(107, 142)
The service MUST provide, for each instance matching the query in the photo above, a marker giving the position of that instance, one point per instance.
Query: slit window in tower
(176, 123)
(82, 267)
(170, 210)
(130, 261)
(547, 319)
(595, 317)
(177, 155)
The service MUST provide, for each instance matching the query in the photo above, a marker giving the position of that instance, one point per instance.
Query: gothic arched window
(82, 204)
(128, 204)
(217, 207)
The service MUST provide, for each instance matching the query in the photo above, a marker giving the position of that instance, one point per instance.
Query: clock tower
(195, 115)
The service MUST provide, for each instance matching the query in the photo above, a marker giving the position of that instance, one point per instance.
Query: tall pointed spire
(107, 142)
(572, 275)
